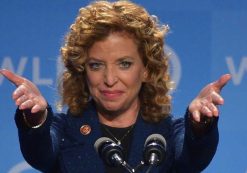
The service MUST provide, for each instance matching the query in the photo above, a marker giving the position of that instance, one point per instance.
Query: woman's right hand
(27, 96)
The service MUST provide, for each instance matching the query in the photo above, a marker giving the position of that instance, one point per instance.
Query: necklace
(118, 141)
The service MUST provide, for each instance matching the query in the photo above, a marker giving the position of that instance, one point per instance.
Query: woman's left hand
(205, 104)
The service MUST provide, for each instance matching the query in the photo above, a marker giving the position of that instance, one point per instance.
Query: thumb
(221, 82)
(12, 77)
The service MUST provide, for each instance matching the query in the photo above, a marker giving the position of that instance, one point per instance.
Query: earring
(145, 76)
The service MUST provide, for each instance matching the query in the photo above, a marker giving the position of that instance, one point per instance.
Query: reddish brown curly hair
(95, 22)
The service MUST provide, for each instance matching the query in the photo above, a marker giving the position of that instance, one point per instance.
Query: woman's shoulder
(172, 121)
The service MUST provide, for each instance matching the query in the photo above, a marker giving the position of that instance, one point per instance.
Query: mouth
(111, 94)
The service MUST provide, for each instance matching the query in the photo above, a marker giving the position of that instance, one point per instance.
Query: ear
(145, 75)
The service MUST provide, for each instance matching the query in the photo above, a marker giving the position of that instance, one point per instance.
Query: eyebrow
(118, 60)
(94, 59)
(124, 58)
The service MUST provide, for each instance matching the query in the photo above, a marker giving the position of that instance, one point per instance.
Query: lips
(111, 94)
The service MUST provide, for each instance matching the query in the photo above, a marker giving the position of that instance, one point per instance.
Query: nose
(110, 77)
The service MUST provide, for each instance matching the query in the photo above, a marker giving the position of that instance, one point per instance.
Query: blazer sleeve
(40, 146)
(194, 153)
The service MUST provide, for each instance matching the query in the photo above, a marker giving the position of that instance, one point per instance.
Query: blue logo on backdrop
(8, 63)
(237, 72)
(175, 67)
(20, 167)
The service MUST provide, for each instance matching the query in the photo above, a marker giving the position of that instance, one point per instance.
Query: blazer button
(85, 129)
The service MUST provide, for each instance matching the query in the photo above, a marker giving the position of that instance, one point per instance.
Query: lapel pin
(85, 129)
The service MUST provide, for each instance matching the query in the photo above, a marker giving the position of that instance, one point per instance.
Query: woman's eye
(95, 65)
(125, 64)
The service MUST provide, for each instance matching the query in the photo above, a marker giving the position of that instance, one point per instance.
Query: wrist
(34, 121)
(203, 126)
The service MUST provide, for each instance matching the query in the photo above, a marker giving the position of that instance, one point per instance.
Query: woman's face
(115, 73)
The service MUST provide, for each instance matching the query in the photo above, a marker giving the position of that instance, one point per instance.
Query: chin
(112, 107)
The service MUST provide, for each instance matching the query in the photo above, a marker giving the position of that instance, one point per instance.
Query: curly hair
(94, 23)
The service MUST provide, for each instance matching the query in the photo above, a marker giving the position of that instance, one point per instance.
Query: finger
(206, 111)
(221, 82)
(21, 99)
(213, 109)
(196, 116)
(12, 77)
(26, 105)
(18, 92)
(36, 108)
(217, 99)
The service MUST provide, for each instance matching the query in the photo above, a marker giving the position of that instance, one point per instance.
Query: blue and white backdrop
(207, 39)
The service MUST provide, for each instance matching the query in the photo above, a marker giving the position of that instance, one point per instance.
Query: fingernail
(221, 101)
(196, 116)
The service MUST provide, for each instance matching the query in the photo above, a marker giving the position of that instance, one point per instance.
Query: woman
(115, 84)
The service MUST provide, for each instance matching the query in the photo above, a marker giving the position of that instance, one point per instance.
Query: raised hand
(27, 96)
(205, 104)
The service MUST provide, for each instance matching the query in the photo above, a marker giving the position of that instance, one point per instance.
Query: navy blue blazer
(58, 145)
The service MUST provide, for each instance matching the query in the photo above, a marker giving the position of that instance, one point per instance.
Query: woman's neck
(120, 119)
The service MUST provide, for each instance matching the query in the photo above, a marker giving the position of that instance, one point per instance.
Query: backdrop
(207, 39)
